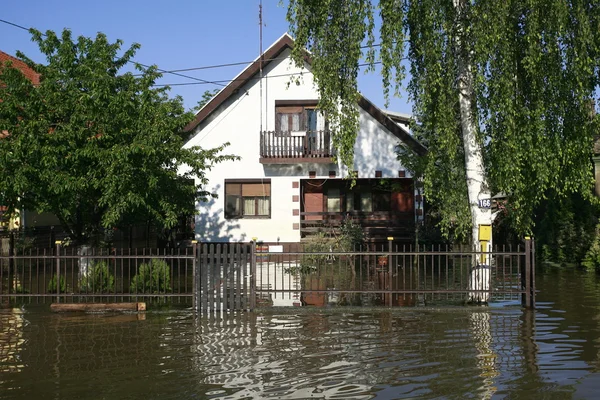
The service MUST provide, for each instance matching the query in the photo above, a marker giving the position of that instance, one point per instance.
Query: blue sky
(174, 35)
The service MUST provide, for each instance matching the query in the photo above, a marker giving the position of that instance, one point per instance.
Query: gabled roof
(29, 73)
(283, 43)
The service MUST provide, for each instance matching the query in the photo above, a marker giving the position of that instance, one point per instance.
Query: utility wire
(199, 80)
(255, 78)
(177, 71)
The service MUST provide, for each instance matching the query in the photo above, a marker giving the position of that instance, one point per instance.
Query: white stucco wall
(238, 122)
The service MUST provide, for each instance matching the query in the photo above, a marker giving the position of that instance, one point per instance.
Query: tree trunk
(478, 190)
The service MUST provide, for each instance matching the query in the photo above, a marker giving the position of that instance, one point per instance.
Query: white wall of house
(238, 122)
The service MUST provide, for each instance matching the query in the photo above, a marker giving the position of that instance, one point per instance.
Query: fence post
(52, 236)
(527, 274)
(57, 255)
(196, 278)
(532, 268)
(11, 253)
(389, 280)
(252, 275)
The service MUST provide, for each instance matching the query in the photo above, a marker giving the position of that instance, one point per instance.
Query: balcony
(295, 146)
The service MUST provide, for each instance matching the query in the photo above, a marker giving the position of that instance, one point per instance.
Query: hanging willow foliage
(535, 67)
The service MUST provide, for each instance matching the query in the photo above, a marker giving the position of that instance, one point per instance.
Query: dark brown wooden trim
(391, 126)
(286, 42)
(309, 103)
(315, 160)
(253, 180)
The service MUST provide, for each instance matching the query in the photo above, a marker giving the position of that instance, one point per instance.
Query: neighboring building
(14, 221)
(287, 185)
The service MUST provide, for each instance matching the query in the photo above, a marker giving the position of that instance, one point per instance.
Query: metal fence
(69, 274)
(394, 275)
(245, 276)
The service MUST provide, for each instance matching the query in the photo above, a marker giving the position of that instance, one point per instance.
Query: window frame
(305, 106)
(240, 214)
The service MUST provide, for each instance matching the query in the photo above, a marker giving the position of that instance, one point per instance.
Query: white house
(287, 184)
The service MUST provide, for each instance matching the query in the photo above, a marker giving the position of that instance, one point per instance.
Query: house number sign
(485, 203)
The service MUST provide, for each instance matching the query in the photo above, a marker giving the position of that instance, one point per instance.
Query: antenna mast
(260, 62)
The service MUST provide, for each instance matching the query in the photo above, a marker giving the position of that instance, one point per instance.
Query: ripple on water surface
(363, 354)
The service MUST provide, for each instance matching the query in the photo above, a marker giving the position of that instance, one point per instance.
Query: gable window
(248, 198)
(298, 116)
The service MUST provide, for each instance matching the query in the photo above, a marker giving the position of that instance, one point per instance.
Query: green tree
(94, 145)
(501, 92)
(206, 97)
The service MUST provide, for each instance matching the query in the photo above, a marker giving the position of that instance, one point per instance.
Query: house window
(359, 201)
(334, 200)
(301, 116)
(248, 198)
(382, 201)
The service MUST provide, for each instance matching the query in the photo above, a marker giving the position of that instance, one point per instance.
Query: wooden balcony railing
(375, 224)
(307, 145)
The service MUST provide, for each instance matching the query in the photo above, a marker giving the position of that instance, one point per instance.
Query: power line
(233, 64)
(177, 71)
(255, 78)
(200, 81)
(132, 62)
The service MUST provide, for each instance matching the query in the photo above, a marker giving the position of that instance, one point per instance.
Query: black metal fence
(244, 276)
(83, 274)
(395, 275)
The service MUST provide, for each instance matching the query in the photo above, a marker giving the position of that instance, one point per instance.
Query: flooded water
(470, 352)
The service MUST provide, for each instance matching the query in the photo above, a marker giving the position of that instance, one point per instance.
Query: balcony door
(303, 120)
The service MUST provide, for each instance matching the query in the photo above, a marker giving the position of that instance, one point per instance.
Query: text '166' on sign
(485, 203)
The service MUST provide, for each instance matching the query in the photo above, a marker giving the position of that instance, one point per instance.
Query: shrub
(98, 279)
(52, 284)
(154, 277)
(591, 260)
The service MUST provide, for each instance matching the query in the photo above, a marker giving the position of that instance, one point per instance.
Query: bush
(98, 279)
(154, 277)
(52, 284)
(591, 260)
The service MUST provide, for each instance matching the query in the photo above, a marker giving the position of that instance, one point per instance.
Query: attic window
(298, 117)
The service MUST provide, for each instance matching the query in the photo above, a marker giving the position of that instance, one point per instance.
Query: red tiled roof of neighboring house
(286, 42)
(29, 73)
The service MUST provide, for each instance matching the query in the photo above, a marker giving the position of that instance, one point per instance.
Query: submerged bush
(52, 284)
(154, 277)
(592, 256)
(98, 279)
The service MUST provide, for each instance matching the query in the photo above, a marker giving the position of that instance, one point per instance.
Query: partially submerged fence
(395, 275)
(244, 276)
(70, 274)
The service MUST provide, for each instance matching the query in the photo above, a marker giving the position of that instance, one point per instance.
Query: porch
(383, 207)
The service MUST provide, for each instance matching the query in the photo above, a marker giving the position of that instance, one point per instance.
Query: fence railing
(245, 276)
(395, 275)
(70, 274)
(286, 144)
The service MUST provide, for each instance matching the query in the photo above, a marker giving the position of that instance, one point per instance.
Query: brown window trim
(306, 103)
(247, 181)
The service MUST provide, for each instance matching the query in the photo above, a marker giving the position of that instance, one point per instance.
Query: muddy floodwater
(500, 351)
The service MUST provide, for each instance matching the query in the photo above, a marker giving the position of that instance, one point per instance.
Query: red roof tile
(30, 74)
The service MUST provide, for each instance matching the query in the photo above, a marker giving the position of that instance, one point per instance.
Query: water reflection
(311, 353)
(11, 340)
